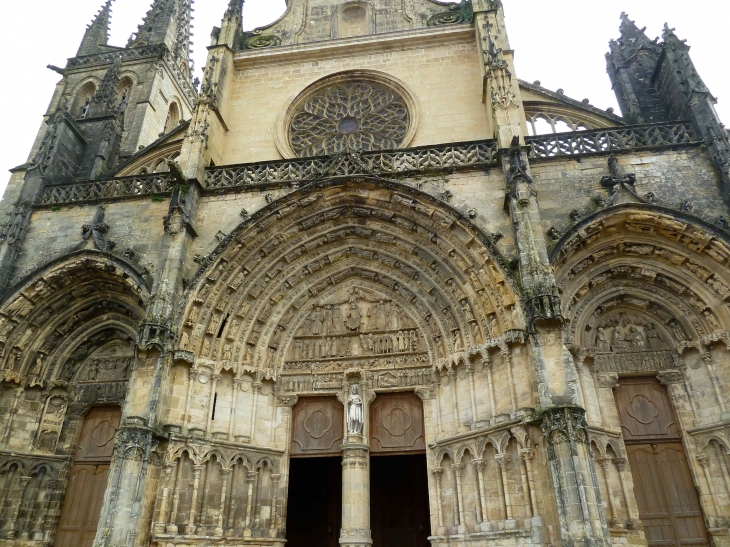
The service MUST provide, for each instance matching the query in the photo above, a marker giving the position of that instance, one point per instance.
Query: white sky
(561, 43)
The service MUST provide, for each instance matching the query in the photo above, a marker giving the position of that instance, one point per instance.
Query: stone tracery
(356, 116)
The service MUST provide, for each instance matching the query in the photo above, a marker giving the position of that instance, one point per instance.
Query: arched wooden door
(85, 493)
(669, 506)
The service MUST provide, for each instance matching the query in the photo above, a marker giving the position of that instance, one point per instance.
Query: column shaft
(355, 530)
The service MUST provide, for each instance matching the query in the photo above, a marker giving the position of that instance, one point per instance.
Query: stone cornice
(420, 38)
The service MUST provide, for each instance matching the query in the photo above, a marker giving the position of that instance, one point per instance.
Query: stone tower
(348, 293)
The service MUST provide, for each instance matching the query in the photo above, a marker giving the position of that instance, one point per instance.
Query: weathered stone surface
(182, 269)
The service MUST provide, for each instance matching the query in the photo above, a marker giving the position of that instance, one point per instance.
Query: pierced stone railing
(396, 162)
(393, 163)
(609, 140)
(126, 187)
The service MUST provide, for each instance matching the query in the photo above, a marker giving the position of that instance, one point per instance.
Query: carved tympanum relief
(302, 294)
(349, 117)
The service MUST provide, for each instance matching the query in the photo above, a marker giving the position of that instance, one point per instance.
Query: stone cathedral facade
(363, 286)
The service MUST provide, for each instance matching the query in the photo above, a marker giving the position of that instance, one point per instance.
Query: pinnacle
(235, 9)
(97, 33)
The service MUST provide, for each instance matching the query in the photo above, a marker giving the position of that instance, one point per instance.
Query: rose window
(351, 117)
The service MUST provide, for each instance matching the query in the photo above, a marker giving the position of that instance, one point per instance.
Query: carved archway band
(386, 244)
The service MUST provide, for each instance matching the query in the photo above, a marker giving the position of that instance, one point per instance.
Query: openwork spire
(97, 33)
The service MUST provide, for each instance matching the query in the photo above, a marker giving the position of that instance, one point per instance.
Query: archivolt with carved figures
(364, 274)
(66, 337)
(638, 278)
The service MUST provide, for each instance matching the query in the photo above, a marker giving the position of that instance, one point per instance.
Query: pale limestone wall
(673, 176)
(135, 224)
(451, 109)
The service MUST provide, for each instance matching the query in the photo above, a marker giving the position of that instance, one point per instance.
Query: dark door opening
(314, 509)
(399, 512)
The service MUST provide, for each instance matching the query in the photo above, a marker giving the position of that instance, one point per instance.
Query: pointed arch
(57, 316)
(349, 248)
(662, 273)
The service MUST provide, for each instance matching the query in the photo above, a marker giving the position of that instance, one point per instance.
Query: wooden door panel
(97, 435)
(645, 410)
(318, 426)
(668, 503)
(81, 509)
(396, 423)
(89, 477)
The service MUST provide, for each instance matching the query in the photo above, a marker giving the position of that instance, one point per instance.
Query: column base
(171, 529)
(485, 527)
(190, 529)
(510, 524)
(462, 529)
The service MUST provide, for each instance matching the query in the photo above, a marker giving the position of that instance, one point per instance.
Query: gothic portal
(363, 286)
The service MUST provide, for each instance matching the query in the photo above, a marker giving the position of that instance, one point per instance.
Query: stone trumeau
(365, 288)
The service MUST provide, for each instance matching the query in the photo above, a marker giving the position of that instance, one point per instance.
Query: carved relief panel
(317, 427)
(396, 423)
(357, 327)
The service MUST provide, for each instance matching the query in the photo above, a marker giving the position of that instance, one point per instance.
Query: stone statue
(354, 413)
(602, 341)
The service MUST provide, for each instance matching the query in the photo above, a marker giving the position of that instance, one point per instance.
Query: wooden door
(317, 427)
(396, 424)
(669, 507)
(89, 473)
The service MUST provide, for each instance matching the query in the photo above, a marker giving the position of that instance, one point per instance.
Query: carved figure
(619, 340)
(338, 326)
(227, 352)
(637, 339)
(354, 412)
(184, 341)
(602, 341)
(238, 281)
(653, 339)
(677, 331)
(317, 321)
(353, 317)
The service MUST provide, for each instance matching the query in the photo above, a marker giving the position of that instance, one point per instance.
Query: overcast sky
(561, 43)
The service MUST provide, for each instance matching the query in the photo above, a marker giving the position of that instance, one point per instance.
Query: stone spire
(631, 74)
(97, 33)
(167, 22)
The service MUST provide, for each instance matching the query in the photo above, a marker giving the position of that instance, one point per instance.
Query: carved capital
(565, 424)
(225, 473)
(607, 380)
(458, 469)
(528, 454)
(703, 460)
(620, 464)
(287, 400)
(480, 464)
(437, 472)
(670, 377)
(250, 476)
(504, 460)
